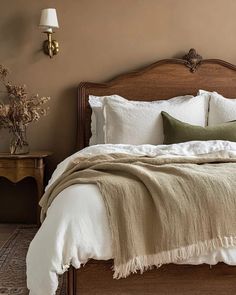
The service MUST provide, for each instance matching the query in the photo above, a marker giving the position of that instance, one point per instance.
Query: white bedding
(76, 227)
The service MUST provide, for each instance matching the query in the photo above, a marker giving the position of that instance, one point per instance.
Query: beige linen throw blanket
(160, 210)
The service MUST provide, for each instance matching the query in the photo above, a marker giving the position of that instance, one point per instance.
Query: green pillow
(176, 131)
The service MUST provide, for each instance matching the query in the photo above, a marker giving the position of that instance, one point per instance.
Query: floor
(5, 232)
(14, 243)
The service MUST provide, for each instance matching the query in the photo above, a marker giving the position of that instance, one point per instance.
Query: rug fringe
(146, 262)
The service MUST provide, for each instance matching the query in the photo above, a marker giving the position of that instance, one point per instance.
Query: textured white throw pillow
(129, 122)
(221, 109)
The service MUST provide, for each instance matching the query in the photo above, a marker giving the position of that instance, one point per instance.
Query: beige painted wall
(98, 40)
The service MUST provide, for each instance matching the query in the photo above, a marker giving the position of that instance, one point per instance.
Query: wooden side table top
(30, 155)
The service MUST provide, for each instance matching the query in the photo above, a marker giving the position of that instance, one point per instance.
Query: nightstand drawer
(18, 163)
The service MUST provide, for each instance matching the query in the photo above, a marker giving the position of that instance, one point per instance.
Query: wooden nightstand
(17, 167)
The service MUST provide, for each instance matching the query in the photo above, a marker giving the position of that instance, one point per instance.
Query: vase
(18, 142)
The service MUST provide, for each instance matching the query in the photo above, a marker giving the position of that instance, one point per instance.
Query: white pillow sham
(97, 119)
(129, 122)
(221, 109)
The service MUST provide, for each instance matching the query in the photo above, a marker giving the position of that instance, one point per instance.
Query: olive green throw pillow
(176, 131)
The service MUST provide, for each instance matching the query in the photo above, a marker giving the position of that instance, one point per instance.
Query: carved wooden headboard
(162, 80)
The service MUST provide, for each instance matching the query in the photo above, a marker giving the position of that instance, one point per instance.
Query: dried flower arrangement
(18, 111)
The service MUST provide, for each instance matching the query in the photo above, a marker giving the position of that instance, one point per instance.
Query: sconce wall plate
(50, 47)
(54, 47)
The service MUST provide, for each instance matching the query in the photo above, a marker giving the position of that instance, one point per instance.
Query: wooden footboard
(96, 278)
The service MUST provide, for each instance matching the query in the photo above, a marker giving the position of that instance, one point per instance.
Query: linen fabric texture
(76, 228)
(163, 219)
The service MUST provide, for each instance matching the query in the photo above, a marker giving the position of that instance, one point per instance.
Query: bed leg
(71, 281)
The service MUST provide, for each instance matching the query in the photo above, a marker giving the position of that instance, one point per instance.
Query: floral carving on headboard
(193, 60)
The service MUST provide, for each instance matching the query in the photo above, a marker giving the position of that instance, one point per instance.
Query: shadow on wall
(14, 34)
(180, 54)
(66, 111)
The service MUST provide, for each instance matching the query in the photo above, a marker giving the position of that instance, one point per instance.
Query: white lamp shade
(49, 18)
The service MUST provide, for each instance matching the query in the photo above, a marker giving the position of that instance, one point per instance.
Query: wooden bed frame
(162, 80)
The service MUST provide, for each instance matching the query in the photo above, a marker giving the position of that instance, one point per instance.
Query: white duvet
(76, 227)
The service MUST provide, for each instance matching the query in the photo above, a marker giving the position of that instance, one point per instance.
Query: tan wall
(99, 39)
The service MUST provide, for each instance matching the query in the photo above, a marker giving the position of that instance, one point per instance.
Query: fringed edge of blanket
(146, 262)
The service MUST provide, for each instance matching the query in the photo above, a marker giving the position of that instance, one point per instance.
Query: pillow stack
(221, 123)
(116, 120)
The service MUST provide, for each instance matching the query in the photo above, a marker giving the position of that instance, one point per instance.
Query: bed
(163, 79)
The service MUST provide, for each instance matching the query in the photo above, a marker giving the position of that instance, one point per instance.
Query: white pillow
(221, 109)
(130, 122)
(97, 118)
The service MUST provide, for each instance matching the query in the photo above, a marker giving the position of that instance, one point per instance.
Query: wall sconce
(48, 21)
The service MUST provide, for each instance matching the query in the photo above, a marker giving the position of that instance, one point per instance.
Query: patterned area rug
(12, 263)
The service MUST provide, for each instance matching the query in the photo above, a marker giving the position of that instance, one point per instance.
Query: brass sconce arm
(50, 47)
